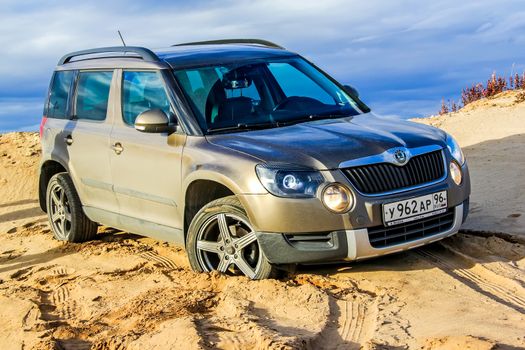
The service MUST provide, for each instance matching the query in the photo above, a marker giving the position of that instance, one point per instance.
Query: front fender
(245, 186)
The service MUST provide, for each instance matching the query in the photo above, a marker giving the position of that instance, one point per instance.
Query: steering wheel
(300, 101)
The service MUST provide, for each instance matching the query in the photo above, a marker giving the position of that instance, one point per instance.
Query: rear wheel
(64, 211)
(221, 238)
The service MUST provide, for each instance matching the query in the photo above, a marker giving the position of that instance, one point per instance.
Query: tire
(220, 237)
(64, 211)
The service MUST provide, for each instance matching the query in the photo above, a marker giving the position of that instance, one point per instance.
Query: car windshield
(258, 94)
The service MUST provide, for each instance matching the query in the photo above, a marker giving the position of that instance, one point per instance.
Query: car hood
(324, 144)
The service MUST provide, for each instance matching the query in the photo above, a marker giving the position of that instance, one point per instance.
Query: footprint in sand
(63, 271)
(21, 274)
(10, 255)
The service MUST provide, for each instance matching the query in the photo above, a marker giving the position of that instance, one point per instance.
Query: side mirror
(351, 91)
(152, 121)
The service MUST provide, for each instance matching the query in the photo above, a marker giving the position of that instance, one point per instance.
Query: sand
(123, 291)
(492, 135)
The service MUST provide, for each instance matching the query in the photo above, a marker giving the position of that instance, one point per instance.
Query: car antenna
(121, 38)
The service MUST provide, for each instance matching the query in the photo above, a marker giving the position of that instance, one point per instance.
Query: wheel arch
(48, 168)
(199, 192)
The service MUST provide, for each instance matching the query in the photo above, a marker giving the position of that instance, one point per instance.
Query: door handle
(117, 147)
(68, 140)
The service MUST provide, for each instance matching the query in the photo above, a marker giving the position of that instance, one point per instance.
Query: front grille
(382, 236)
(385, 177)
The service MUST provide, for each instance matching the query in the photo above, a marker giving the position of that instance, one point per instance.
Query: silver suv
(246, 154)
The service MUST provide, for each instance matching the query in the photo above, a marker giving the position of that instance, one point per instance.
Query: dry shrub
(494, 86)
(444, 108)
(448, 107)
(516, 82)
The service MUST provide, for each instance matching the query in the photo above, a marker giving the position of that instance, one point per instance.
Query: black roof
(190, 54)
(200, 55)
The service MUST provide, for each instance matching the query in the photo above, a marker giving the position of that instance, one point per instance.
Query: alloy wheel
(60, 212)
(228, 243)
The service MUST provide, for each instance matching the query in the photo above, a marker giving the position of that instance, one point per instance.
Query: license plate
(414, 208)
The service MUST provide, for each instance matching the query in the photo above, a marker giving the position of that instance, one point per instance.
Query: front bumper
(303, 230)
(345, 245)
(269, 213)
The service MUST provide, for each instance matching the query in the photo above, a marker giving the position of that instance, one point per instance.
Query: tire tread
(83, 229)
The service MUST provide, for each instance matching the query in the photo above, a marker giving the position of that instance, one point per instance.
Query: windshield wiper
(277, 124)
(242, 126)
(311, 117)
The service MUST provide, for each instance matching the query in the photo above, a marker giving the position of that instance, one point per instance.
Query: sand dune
(492, 134)
(123, 291)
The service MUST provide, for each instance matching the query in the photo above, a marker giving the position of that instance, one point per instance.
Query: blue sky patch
(403, 56)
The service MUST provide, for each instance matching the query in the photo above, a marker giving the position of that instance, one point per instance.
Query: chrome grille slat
(385, 177)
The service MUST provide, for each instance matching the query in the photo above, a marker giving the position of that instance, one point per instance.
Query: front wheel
(220, 237)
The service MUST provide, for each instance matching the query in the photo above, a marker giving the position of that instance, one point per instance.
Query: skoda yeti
(244, 153)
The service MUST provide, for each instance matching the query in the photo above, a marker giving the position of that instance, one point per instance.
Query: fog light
(455, 173)
(337, 198)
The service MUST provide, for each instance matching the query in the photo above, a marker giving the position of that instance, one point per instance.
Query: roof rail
(234, 41)
(145, 54)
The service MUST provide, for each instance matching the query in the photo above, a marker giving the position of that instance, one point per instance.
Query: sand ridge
(492, 134)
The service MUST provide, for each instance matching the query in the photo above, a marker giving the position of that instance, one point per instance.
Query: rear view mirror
(152, 121)
(351, 91)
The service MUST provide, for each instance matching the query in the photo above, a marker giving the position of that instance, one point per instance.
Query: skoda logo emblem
(400, 156)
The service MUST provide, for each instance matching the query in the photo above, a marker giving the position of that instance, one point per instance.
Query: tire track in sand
(353, 314)
(480, 283)
(158, 259)
(352, 321)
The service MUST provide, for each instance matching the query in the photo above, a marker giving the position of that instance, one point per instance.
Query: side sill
(137, 226)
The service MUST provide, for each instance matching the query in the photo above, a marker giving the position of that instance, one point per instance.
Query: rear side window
(93, 95)
(58, 96)
(142, 91)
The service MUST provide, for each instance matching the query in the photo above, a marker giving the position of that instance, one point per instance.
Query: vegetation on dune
(492, 87)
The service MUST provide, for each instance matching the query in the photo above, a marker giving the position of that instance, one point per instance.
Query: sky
(403, 56)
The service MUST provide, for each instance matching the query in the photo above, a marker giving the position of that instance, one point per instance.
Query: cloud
(20, 114)
(380, 47)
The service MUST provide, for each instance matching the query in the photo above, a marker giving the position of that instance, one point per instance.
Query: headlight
(455, 150)
(337, 198)
(297, 183)
(455, 173)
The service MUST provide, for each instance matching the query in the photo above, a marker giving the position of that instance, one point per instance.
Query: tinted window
(248, 91)
(142, 91)
(198, 83)
(93, 95)
(58, 95)
(293, 82)
(262, 92)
